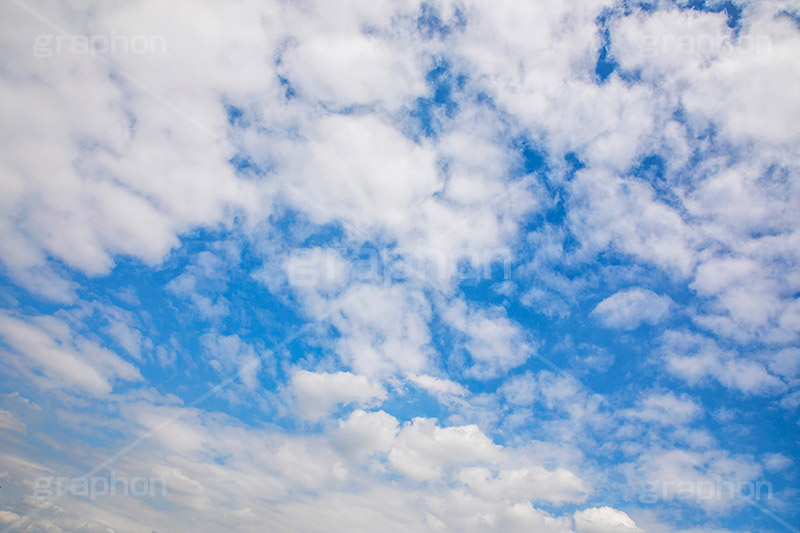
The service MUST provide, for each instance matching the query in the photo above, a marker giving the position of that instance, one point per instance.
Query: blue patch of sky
(605, 64)
(430, 23)
(731, 10)
(429, 111)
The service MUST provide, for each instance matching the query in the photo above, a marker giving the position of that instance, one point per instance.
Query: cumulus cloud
(666, 409)
(532, 483)
(494, 343)
(423, 448)
(630, 308)
(604, 520)
(438, 386)
(315, 394)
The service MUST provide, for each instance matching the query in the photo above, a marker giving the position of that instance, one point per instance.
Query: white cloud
(46, 350)
(315, 394)
(228, 354)
(624, 214)
(776, 462)
(218, 471)
(630, 308)
(384, 329)
(715, 480)
(364, 433)
(531, 483)
(438, 386)
(604, 520)
(12, 423)
(126, 173)
(495, 343)
(361, 171)
(347, 69)
(666, 409)
(424, 449)
(695, 358)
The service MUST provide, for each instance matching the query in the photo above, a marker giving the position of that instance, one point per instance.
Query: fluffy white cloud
(361, 171)
(384, 328)
(315, 394)
(604, 520)
(495, 343)
(630, 308)
(47, 351)
(776, 462)
(128, 169)
(364, 433)
(438, 386)
(423, 448)
(220, 472)
(347, 69)
(666, 409)
(125, 154)
(695, 359)
(531, 483)
(228, 354)
(713, 479)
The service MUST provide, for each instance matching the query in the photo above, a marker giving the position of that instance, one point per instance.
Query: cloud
(666, 409)
(12, 423)
(532, 483)
(364, 433)
(625, 215)
(696, 358)
(548, 149)
(714, 479)
(384, 329)
(315, 394)
(228, 354)
(438, 386)
(494, 343)
(423, 449)
(361, 171)
(44, 349)
(346, 69)
(630, 308)
(604, 520)
(776, 462)
(124, 175)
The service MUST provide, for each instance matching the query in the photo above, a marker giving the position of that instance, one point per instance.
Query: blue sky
(400, 266)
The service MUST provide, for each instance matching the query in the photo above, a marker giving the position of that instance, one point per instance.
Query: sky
(389, 265)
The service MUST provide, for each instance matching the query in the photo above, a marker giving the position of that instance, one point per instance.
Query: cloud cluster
(583, 242)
